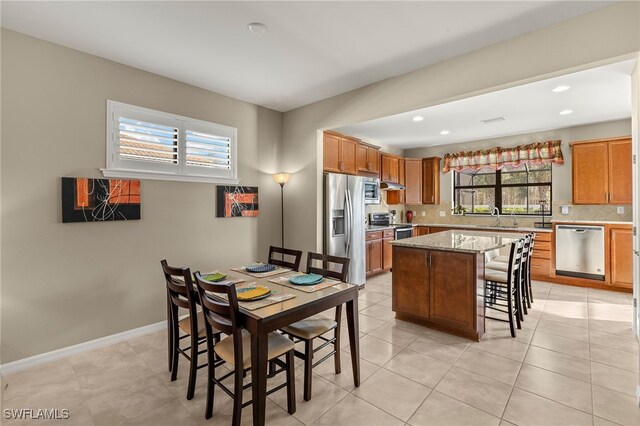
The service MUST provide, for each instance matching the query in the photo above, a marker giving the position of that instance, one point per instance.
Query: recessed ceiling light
(257, 27)
(418, 118)
(445, 132)
(559, 89)
(566, 111)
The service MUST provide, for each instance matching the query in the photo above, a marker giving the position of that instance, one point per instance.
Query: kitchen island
(438, 279)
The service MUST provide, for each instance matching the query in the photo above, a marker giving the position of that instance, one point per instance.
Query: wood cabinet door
(621, 249)
(375, 255)
(452, 289)
(413, 181)
(387, 253)
(590, 170)
(410, 289)
(331, 153)
(373, 158)
(362, 161)
(348, 148)
(414, 231)
(389, 168)
(431, 180)
(394, 170)
(422, 230)
(620, 172)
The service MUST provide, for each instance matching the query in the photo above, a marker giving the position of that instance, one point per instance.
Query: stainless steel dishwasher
(580, 251)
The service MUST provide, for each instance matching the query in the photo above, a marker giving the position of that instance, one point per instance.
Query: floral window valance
(497, 158)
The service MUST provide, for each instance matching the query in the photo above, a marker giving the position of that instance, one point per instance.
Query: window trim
(498, 193)
(113, 168)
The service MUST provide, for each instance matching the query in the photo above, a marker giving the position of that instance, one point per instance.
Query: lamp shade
(281, 178)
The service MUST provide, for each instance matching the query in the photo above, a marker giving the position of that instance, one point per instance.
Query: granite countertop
(604, 222)
(481, 227)
(377, 228)
(467, 241)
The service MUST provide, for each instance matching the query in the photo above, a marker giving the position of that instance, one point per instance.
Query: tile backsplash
(432, 214)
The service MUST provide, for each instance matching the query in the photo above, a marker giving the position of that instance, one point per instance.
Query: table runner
(284, 281)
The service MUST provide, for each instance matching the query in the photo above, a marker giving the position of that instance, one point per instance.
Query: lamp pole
(282, 213)
(281, 179)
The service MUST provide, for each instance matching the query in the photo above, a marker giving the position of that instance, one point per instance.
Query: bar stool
(504, 287)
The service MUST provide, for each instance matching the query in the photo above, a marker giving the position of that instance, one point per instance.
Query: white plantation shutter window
(150, 144)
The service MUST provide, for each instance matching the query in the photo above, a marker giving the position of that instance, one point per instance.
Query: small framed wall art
(236, 201)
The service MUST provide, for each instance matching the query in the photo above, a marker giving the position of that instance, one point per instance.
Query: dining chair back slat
(294, 264)
(221, 315)
(339, 271)
(178, 282)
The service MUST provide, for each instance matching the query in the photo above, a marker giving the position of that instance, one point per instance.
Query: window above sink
(523, 190)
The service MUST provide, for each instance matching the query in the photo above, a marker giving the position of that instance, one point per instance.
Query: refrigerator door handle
(348, 222)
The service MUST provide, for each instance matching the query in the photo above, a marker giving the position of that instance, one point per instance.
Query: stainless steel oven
(372, 191)
(403, 232)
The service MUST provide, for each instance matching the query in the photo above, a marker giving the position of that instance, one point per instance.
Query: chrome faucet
(496, 213)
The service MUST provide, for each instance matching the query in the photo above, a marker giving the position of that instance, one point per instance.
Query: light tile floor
(574, 362)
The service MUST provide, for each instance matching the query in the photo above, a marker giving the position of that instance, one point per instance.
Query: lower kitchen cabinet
(387, 253)
(541, 257)
(378, 250)
(621, 252)
(421, 230)
(374, 256)
(410, 289)
(439, 289)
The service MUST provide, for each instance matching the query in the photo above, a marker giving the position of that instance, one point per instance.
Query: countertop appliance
(344, 222)
(580, 251)
(402, 230)
(371, 190)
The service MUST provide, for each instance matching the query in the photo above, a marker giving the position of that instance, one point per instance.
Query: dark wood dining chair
(236, 348)
(309, 329)
(181, 293)
(502, 289)
(294, 264)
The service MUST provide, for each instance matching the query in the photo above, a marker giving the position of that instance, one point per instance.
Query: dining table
(300, 304)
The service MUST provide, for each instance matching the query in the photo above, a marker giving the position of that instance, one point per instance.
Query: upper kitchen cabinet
(431, 180)
(390, 171)
(339, 153)
(368, 159)
(413, 180)
(602, 171)
(397, 196)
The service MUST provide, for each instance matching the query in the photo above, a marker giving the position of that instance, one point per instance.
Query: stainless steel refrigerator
(344, 222)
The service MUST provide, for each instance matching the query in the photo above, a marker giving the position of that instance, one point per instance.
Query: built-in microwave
(371, 191)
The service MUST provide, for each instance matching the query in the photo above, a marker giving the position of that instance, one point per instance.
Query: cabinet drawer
(373, 235)
(540, 254)
(542, 236)
(388, 233)
(540, 266)
(542, 245)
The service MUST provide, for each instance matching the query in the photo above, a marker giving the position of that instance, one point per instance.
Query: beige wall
(596, 38)
(64, 284)
(561, 189)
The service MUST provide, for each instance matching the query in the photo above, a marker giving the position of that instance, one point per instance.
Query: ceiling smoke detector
(257, 27)
(493, 120)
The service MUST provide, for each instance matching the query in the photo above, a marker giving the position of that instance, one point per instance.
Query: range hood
(391, 186)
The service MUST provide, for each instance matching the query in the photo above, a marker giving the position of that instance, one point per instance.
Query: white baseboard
(26, 363)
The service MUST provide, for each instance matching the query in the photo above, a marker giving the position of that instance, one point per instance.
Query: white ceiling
(313, 50)
(595, 95)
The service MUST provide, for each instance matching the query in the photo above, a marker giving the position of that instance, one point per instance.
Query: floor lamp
(281, 179)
